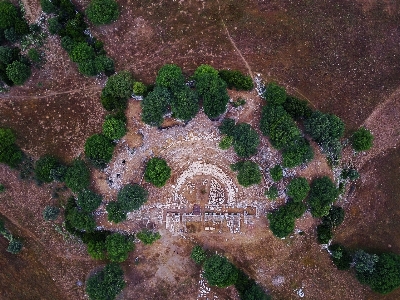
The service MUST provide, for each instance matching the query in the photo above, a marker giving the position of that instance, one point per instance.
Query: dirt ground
(342, 56)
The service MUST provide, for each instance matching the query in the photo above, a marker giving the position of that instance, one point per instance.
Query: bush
(350, 173)
(101, 12)
(299, 152)
(106, 284)
(275, 94)
(245, 140)
(8, 55)
(2, 188)
(48, 7)
(55, 27)
(139, 89)
(148, 237)
(115, 212)
(82, 52)
(80, 220)
(14, 246)
(104, 64)
(235, 79)
(362, 139)
(298, 189)
(118, 247)
(324, 234)
(114, 128)
(45, 166)
(77, 177)
(281, 221)
(10, 154)
(227, 126)
(155, 105)
(248, 173)
(335, 217)
(198, 254)
(119, 86)
(88, 201)
(364, 262)
(185, 104)
(219, 271)
(226, 142)
(50, 213)
(340, 256)
(18, 72)
(88, 68)
(34, 55)
(157, 172)
(276, 173)
(99, 150)
(323, 193)
(272, 193)
(97, 249)
(132, 197)
(296, 108)
(170, 76)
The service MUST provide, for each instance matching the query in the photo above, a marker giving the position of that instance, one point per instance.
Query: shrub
(170, 76)
(88, 201)
(350, 173)
(101, 12)
(340, 256)
(226, 142)
(362, 139)
(45, 167)
(104, 64)
(227, 126)
(34, 55)
(198, 254)
(50, 213)
(80, 220)
(245, 140)
(132, 197)
(364, 262)
(219, 271)
(296, 108)
(2, 188)
(139, 89)
(115, 212)
(335, 217)
(272, 193)
(8, 14)
(99, 150)
(67, 43)
(119, 86)
(184, 104)
(106, 284)
(10, 154)
(82, 52)
(155, 105)
(299, 152)
(118, 247)
(281, 221)
(78, 176)
(275, 94)
(248, 173)
(14, 246)
(235, 79)
(276, 173)
(324, 234)
(114, 128)
(55, 26)
(298, 189)
(323, 193)
(7, 55)
(88, 68)
(18, 72)
(147, 237)
(48, 7)
(97, 249)
(157, 172)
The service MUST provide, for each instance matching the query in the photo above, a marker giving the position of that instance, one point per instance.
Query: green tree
(276, 173)
(101, 12)
(8, 14)
(245, 140)
(219, 271)
(18, 72)
(48, 7)
(132, 197)
(364, 262)
(8, 55)
(281, 221)
(82, 52)
(198, 254)
(235, 79)
(88, 68)
(10, 153)
(157, 171)
(99, 150)
(34, 55)
(78, 176)
(106, 284)
(324, 128)
(185, 104)
(226, 142)
(227, 126)
(324, 234)
(296, 108)
(275, 94)
(50, 213)
(170, 76)
(45, 167)
(297, 153)
(298, 189)
(104, 64)
(147, 237)
(323, 193)
(115, 212)
(248, 173)
(114, 128)
(81, 220)
(362, 139)
(155, 105)
(335, 217)
(97, 249)
(15, 246)
(340, 256)
(139, 89)
(88, 201)
(272, 193)
(55, 27)
(118, 247)
(119, 85)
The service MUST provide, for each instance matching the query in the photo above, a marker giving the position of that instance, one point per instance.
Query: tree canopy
(170, 76)
(77, 176)
(132, 197)
(198, 254)
(245, 140)
(219, 271)
(18, 72)
(184, 104)
(323, 193)
(148, 237)
(118, 247)
(101, 12)
(114, 128)
(155, 105)
(276, 173)
(88, 200)
(362, 139)
(45, 166)
(248, 173)
(298, 189)
(281, 220)
(235, 79)
(99, 150)
(157, 171)
(275, 94)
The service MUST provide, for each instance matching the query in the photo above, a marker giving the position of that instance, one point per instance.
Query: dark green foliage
(119, 86)
(97, 249)
(75, 27)
(362, 139)
(276, 173)
(2, 188)
(341, 257)
(219, 271)
(139, 89)
(275, 94)
(147, 237)
(324, 234)
(118, 247)
(82, 52)
(18, 72)
(8, 14)
(14, 246)
(335, 217)
(272, 193)
(155, 105)
(8, 54)
(77, 177)
(281, 221)
(34, 55)
(235, 79)
(296, 108)
(88, 68)
(364, 262)
(10, 153)
(212, 90)
(245, 140)
(102, 11)
(132, 197)
(185, 104)
(298, 189)
(81, 220)
(350, 173)
(115, 212)
(248, 173)
(44, 168)
(226, 142)
(114, 128)
(198, 254)
(386, 275)
(299, 152)
(48, 7)
(11, 35)
(50, 213)
(157, 171)
(99, 150)
(88, 201)
(227, 126)
(67, 44)
(106, 284)
(323, 193)
(248, 289)
(104, 64)
(239, 102)
(170, 76)
(55, 26)
(110, 103)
